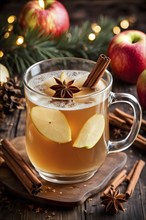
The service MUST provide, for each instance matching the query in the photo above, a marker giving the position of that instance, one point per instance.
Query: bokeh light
(116, 30)
(1, 53)
(96, 28)
(20, 40)
(91, 36)
(6, 35)
(124, 24)
(11, 19)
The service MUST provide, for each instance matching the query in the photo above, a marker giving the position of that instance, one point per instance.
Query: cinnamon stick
(119, 120)
(140, 142)
(20, 168)
(116, 181)
(130, 174)
(129, 118)
(97, 72)
(134, 178)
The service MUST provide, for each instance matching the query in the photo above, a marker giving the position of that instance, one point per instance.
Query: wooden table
(12, 207)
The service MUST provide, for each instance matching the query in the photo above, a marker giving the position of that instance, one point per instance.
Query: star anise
(112, 201)
(64, 89)
(119, 133)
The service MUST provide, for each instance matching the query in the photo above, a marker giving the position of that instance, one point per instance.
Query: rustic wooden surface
(61, 194)
(14, 207)
(11, 206)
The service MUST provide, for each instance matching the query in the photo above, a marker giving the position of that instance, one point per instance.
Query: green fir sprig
(37, 46)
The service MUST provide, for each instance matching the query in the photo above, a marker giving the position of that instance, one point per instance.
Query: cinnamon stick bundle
(19, 167)
(129, 118)
(118, 122)
(97, 72)
(124, 121)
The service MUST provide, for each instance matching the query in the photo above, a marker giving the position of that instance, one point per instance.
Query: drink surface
(66, 158)
(42, 83)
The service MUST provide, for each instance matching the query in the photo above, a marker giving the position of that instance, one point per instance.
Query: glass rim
(95, 92)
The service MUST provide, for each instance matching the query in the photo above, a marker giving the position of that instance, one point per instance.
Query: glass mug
(67, 139)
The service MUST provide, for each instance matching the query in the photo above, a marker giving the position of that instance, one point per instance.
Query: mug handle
(117, 146)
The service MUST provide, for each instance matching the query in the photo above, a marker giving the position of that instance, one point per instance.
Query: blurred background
(81, 10)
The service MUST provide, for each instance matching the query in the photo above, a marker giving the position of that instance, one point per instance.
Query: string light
(20, 40)
(11, 19)
(124, 24)
(116, 30)
(6, 35)
(10, 27)
(91, 36)
(1, 53)
(96, 28)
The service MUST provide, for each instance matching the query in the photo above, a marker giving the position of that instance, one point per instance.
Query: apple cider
(63, 149)
(67, 126)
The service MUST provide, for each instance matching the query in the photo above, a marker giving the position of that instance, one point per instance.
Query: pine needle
(37, 46)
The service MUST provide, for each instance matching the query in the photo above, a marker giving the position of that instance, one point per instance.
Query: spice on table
(19, 167)
(116, 181)
(129, 118)
(119, 133)
(118, 122)
(113, 201)
(130, 174)
(123, 121)
(134, 178)
(111, 198)
(97, 72)
(11, 97)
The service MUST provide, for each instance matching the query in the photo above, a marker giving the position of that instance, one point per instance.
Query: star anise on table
(118, 133)
(113, 201)
(64, 89)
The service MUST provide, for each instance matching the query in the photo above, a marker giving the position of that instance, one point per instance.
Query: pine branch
(38, 46)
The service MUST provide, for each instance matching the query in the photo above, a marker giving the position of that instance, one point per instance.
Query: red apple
(52, 19)
(141, 89)
(127, 51)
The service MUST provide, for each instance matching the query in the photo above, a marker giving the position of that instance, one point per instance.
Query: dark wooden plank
(20, 130)
(9, 126)
(20, 209)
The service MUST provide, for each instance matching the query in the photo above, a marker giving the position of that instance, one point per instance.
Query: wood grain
(61, 194)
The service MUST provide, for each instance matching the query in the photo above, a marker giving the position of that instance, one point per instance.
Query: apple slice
(51, 123)
(91, 132)
(4, 74)
(63, 76)
(50, 82)
(47, 84)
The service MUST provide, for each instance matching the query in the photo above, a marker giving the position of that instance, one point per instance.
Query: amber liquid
(55, 158)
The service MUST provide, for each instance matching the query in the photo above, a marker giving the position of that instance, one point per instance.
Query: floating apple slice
(47, 84)
(50, 82)
(91, 132)
(63, 76)
(51, 123)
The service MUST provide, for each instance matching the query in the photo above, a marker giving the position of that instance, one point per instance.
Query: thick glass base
(66, 179)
